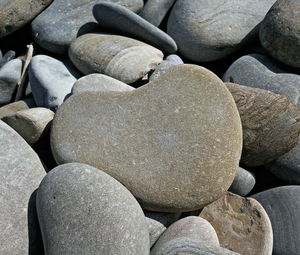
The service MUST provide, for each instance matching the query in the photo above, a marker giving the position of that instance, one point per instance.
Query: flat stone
(21, 172)
(56, 27)
(16, 13)
(243, 182)
(12, 108)
(207, 30)
(31, 124)
(120, 57)
(283, 207)
(99, 82)
(154, 11)
(271, 124)
(123, 20)
(50, 81)
(10, 74)
(259, 71)
(82, 210)
(280, 32)
(242, 224)
(158, 138)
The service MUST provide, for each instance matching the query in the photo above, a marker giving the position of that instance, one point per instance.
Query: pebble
(14, 107)
(242, 224)
(121, 19)
(21, 172)
(280, 32)
(243, 182)
(56, 27)
(283, 207)
(120, 57)
(82, 210)
(151, 141)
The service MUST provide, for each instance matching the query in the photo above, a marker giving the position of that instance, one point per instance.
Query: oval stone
(243, 182)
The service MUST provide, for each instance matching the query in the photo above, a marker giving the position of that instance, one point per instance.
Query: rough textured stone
(50, 81)
(283, 207)
(242, 224)
(16, 13)
(259, 71)
(207, 30)
(21, 172)
(270, 123)
(280, 32)
(121, 19)
(64, 20)
(99, 82)
(243, 182)
(154, 11)
(158, 138)
(12, 108)
(82, 210)
(31, 124)
(120, 57)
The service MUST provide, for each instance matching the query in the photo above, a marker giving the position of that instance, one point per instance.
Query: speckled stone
(154, 139)
(283, 207)
(259, 71)
(56, 27)
(99, 82)
(280, 32)
(243, 182)
(242, 224)
(21, 172)
(82, 210)
(207, 30)
(120, 57)
(271, 124)
(12, 108)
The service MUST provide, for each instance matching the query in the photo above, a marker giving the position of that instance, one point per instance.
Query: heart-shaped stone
(175, 143)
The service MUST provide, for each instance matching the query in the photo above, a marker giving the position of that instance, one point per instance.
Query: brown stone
(12, 108)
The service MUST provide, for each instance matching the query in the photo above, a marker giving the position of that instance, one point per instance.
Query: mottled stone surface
(259, 71)
(280, 32)
(270, 123)
(283, 207)
(56, 27)
(12, 108)
(157, 139)
(16, 13)
(242, 224)
(207, 30)
(243, 182)
(82, 210)
(120, 57)
(21, 172)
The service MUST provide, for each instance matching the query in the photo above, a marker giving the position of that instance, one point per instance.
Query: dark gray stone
(243, 182)
(7, 57)
(123, 20)
(82, 210)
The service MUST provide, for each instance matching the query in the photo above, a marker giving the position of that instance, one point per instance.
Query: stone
(16, 13)
(279, 32)
(270, 123)
(259, 71)
(50, 81)
(31, 124)
(99, 82)
(10, 74)
(179, 136)
(154, 11)
(208, 30)
(6, 57)
(171, 60)
(82, 210)
(242, 224)
(21, 172)
(120, 57)
(121, 19)
(56, 27)
(14, 107)
(243, 182)
(283, 207)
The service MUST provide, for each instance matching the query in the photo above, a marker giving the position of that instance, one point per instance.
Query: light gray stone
(243, 182)
(6, 57)
(12, 108)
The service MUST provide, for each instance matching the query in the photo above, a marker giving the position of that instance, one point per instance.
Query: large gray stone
(283, 207)
(175, 143)
(64, 20)
(21, 172)
(280, 32)
(243, 182)
(121, 19)
(82, 210)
